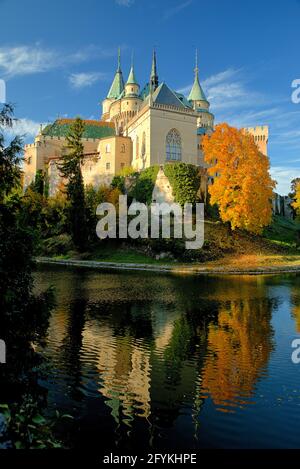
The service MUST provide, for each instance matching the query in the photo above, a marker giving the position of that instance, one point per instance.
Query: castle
(139, 127)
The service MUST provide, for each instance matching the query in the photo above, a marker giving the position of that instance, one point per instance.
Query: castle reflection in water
(161, 349)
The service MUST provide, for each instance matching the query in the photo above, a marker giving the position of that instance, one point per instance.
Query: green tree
(39, 182)
(295, 183)
(70, 168)
(23, 315)
(10, 156)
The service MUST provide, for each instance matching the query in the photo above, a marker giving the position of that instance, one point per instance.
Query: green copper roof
(93, 129)
(197, 93)
(117, 85)
(131, 77)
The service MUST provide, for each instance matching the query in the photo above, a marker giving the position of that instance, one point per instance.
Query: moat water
(151, 361)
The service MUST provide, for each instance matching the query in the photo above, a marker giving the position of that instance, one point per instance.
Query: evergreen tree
(10, 156)
(70, 168)
(39, 182)
(23, 316)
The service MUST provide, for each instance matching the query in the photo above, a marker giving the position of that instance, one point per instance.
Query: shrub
(185, 181)
(58, 245)
(143, 188)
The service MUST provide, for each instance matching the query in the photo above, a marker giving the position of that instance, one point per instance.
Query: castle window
(173, 146)
(122, 148)
(107, 148)
(143, 149)
(29, 160)
(107, 166)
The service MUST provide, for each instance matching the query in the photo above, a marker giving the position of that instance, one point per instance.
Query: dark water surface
(151, 361)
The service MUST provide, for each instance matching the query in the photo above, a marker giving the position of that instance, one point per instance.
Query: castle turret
(117, 86)
(197, 97)
(132, 87)
(116, 89)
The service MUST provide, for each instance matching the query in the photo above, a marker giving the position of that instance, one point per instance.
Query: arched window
(143, 149)
(122, 148)
(173, 146)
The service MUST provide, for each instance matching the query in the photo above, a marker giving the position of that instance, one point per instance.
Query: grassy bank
(223, 250)
(279, 246)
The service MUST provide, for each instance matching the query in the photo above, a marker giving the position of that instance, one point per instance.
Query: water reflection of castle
(148, 358)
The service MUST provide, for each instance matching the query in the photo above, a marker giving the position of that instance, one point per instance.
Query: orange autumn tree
(242, 188)
(296, 203)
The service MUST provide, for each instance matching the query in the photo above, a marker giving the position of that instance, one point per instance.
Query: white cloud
(81, 80)
(284, 175)
(125, 3)
(225, 90)
(176, 9)
(23, 127)
(25, 60)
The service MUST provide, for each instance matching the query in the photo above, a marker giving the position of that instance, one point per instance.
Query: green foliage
(27, 428)
(55, 213)
(57, 245)
(143, 187)
(211, 211)
(118, 182)
(70, 169)
(284, 231)
(39, 182)
(185, 181)
(10, 156)
(294, 184)
(23, 315)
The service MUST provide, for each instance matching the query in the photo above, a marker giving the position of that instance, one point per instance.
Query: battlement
(261, 136)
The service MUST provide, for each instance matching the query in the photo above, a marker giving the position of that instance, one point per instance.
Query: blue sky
(58, 59)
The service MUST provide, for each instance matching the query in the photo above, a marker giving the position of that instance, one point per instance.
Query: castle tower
(261, 137)
(197, 97)
(116, 89)
(153, 77)
(132, 87)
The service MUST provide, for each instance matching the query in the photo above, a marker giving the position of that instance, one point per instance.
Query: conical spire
(131, 80)
(153, 76)
(119, 60)
(117, 85)
(197, 93)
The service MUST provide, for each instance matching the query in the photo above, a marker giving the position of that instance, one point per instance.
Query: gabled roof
(164, 95)
(93, 129)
